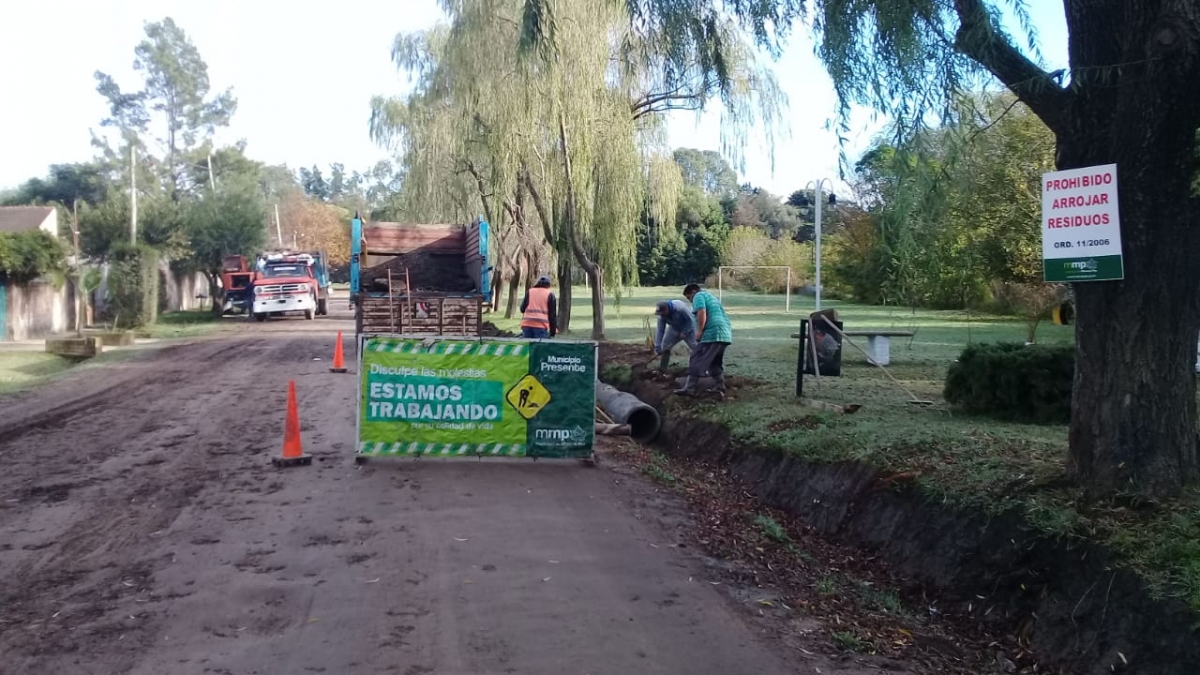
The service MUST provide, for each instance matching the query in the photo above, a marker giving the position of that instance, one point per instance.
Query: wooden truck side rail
(420, 313)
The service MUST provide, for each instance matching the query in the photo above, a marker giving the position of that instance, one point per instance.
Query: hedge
(1014, 382)
(25, 256)
(133, 285)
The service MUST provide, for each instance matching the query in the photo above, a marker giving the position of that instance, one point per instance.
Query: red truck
(284, 283)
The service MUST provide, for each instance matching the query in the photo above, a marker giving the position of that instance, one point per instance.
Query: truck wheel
(308, 314)
(322, 307)
(260, 316)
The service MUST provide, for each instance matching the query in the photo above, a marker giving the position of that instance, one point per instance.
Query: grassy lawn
(22, 369)
(192, 323)
(969, 461)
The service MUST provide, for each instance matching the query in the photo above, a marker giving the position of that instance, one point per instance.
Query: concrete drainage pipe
(643, 420)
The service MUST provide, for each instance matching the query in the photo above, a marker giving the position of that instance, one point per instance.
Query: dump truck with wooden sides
(419, 279)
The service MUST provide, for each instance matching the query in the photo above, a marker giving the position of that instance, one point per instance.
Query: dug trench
(1034, 602)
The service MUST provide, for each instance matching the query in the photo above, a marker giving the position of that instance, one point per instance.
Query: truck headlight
(303, 288)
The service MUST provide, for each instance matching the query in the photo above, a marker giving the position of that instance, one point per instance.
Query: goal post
(787, 302)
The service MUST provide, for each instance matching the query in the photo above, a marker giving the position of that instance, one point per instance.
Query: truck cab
(236, 279)
(282, 284)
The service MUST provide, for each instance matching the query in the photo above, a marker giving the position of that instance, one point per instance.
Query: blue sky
(304, 74)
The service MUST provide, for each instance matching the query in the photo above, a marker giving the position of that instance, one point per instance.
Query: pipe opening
(643, 424)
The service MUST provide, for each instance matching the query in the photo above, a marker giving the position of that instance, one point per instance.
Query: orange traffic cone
(293, 453)
(338, 365)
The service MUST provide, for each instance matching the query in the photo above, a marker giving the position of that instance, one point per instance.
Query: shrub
(25, 256)
(133, 285)
(1014, 382)
(747, 246)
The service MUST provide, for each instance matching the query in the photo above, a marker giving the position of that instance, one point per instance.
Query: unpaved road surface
(143, 530)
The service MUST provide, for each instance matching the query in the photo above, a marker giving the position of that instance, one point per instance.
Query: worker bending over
(539, 311)
(676, 323)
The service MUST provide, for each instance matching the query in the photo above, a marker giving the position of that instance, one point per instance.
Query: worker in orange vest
(539, 311)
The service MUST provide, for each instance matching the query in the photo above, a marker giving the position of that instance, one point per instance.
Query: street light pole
(819, 203)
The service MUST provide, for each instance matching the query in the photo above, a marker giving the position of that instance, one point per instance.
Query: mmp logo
(1081, 266)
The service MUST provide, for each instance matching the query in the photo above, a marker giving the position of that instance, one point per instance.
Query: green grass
(21, 370)
(659, 469)
(192, 323)
(970, 462)
(849, 642)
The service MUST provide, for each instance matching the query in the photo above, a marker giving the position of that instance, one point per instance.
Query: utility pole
(818, 250)
(212, 181)
(278, 231)
(78, 268)
(133, 193)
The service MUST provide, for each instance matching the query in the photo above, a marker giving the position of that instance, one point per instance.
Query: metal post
(800, 358)
(212, 181)
(787, 306)
(720, 290)
(278, 231)
(132, 193)
(818, 237)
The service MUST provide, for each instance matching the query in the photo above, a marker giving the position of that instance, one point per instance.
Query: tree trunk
(531, 270)
(215, 293)
(514, 287)
(596, 275)
(1133, 414)
(564, 294)
(590, 268)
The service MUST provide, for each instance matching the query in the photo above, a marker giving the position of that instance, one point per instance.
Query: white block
(880, 349)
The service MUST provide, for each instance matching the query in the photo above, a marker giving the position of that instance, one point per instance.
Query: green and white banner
(459, 398)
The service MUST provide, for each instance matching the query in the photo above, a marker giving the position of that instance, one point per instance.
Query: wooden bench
(879, 343)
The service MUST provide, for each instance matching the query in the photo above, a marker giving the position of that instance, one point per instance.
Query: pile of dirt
(489, 329)
(426, 271)
(1050, 605)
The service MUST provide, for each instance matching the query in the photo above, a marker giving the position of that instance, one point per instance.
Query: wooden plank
(879, 333)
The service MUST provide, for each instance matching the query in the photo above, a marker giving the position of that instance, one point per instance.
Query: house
(26, 218)
(38, 308)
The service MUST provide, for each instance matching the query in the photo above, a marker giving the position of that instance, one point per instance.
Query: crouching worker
(714, 334)
(676, 324)
(539, 311)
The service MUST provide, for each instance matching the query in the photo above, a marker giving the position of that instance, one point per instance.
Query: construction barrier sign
(470, 398)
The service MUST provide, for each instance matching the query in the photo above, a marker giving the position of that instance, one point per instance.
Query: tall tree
(174, 101)
(230, 222)
(1127, 98)
(577, 126)
(707, 170)
(87, 182)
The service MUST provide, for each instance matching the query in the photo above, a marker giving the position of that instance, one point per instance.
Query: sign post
(476, 398)
(1081, 225)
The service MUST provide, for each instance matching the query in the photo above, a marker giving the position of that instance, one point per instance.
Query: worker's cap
(663, 307)
(543, 280)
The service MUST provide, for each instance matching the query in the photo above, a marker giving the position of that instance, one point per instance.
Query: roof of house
(23, 218)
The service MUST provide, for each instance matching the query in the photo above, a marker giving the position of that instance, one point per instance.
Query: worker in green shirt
(714, 334)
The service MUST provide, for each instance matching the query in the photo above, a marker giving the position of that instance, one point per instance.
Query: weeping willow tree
(1127, 98)
(452, 136)
(575, 129)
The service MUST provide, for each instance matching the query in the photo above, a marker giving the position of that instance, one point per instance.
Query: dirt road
(143, 530)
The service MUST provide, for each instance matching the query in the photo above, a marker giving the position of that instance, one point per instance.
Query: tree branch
(977, 38)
